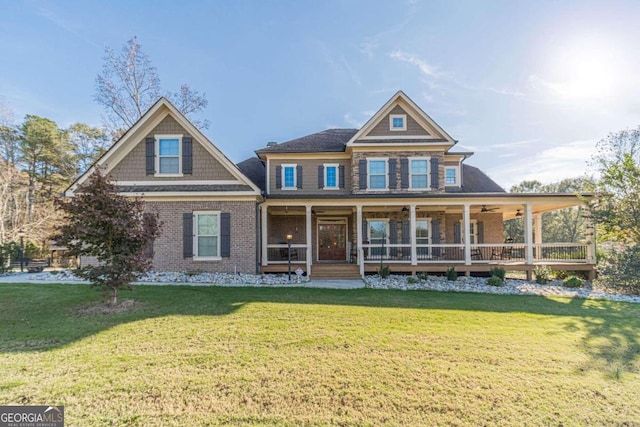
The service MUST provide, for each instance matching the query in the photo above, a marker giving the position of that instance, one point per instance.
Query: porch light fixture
(518, 213)
(289, 238)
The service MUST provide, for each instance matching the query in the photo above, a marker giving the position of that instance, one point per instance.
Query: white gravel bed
(479, 285)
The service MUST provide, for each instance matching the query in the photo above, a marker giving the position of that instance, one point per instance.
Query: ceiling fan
(486, 209)
(518, 213)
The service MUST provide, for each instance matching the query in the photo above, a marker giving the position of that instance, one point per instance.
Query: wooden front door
(332, 241)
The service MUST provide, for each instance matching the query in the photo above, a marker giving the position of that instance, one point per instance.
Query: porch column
(309, 239)
(414, 240)
(537, 233)
(263, 231)
(359, 235)
(590, 236)
(528, 233)
(466, 222)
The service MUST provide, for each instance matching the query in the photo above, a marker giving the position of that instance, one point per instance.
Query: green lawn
(195, 356)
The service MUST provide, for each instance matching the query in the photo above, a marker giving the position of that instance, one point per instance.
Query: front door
(332, 241)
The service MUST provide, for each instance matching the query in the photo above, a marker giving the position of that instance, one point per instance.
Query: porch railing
(401, 253)
(560, 252)
(278, 253)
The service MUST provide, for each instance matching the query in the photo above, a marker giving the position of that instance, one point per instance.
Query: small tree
(110, 227)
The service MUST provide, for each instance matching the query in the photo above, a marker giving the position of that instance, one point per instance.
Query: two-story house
(394, 192)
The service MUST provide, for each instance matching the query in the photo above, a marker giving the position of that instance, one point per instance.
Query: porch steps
(335, 271)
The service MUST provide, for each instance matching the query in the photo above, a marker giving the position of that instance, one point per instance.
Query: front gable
(401, 121)
(191, 163)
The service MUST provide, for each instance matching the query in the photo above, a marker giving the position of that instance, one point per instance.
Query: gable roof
(154, 115)
(254, 169)
(475, 181)
(400, 98)
(326, 141)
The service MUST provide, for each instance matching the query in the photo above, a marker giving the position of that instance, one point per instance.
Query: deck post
(414, 240)
(309, 239)
(263, 230)
(359, 236)
(537, 234)
(466, 221)
(528, 233)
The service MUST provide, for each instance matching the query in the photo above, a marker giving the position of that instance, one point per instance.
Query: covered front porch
(417, 235)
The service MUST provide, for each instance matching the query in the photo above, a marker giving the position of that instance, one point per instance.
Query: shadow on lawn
(43, 317)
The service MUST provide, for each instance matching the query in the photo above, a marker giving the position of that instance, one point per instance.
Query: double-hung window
(378, 235)
(451, 176)
(423, 237)
(289, 177)
(331, 178)
(419, 172)
(377, 174)
(206, 235)
(473, 232)
(169, 154)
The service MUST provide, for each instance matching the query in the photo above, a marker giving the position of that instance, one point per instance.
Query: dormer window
(397, 122)
(451, 176)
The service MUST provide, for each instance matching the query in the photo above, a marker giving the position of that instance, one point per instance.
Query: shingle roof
(253, 168)
(330, 140)
(181, 188)
(476, 181)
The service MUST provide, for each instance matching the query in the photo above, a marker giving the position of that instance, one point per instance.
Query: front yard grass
(196, 356)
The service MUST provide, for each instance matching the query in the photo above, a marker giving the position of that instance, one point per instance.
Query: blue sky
(530, 87)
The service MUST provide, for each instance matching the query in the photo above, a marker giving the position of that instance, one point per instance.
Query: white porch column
(466, 233)
(537, 233)
(359, 239)
(263, 231)
(528, 233)
(412, 228)
(309, 239)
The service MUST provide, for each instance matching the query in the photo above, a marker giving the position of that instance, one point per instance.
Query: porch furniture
(505, 252)
(476, 253)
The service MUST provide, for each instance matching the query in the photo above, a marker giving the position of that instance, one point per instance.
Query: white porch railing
(279, 253)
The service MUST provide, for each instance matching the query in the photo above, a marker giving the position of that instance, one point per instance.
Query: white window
(289, 177)
(397, 122)
(451, 175)
(419, 172)
(331, 176)
(423, 237)
(206, 235)
(473, 231)
(378, 234)
(377, 174)
(169, 155)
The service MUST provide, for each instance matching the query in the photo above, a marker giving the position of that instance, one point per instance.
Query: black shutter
(392, 173)
(363, 173)
(150, 147)
(480, 230)
(435, 236)
(320, 176)
(148, 249)
(404, 173)
(435, 173)
(187, 155)
(278, 177)
(341, 176)
(299, 176)
(365, 230)
(393, 231)
(225, 234)
(187, 235)
(456, 233)
(406, 239)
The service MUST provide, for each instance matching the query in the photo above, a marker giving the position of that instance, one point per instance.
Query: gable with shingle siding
(413, 127)
(205, 166)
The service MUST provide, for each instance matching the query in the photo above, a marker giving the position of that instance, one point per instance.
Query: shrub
(412, 280)
(498, 272)
(384, 271)
(423, 276)
(572, 282)
(560, 274)
(621, 269)
(495, 281)
(451, 274)
(543, 274)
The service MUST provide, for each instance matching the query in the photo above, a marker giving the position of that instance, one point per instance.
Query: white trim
(196, 214)
(386, 232)
(428, 173)
(267, 177)
(181, 182)
(457, 177)
(386, 173)
(337, 186)
(295, 176)
(397, 116)
(385, 137)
